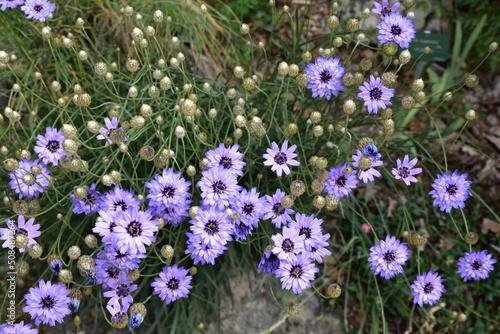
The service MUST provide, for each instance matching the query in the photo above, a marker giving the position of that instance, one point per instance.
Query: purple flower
(49, 147)
(371, 151)
(38, 9)
(107, 274)
(105, 225)
(450, 191)
(288, 243)
(405, 170)
(475, 265)
(384, 10)
(279, 159)
(394, 27)
(213, 226)
(47, 303)
(276, 211)
(296, 273)
(228, 158)
(375, 95)
(135, 320)
(167, 189)
(248, 206)
(55, 266)
(27, 183)
(388, 256)
(111, 125)
(28, 228)
(427, 288)
(118, 313)
(172, 284)
(368, 174)
(339, 183)
(121, 293)
(11, 4)
(316, 250)
(269, 263)
(134, 230)
(19, 328)
(90, 203)
(172, 214)
(123, 260)
(325, 77)
(308, 226)
(120, 200)
(202, 252)
(218, 187)
(241, 229)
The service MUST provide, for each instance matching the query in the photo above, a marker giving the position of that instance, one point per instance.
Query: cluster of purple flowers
(34, 9)
(394, 26)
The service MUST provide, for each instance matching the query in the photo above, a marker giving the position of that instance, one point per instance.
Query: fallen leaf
(490, 225)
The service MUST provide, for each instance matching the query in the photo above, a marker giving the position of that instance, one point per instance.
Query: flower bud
(333, 291)
(100, 68)
(471, 80)
(471, 238)
(35, 251)
(408, 102)
(349, 107)
(244, 28)
(319, 201)
(291, 129)
(418, 239)
(390, 48)
(352, 24)
(332, 22)
(405, 57)
(470, 115)
(297, 188)
(287, 202)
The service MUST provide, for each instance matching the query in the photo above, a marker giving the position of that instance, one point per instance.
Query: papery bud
(352, 24)
(390, 48)
(471, 80)
(333, 291)
(332, 22)
(470, 115)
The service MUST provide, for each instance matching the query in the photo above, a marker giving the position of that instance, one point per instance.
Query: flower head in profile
(450, 191)
(280, 158)
(269, 263)
(339, 183)
(172, 284)
(388, 256)
(375, 95)
(405, 170)
(25, 182)
(475, 265)
(47, 303)
(325, 77)
(28, 228)
(383, 9)
(427, 288)
(394, 27)
(112, 133)
(229, 158)
(10, 4)
(38, 9)
(19, 328)
(49, 147)
(296, 273)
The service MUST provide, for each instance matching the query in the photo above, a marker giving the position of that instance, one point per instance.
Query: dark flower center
(56, 266)
(404, 172)
(47, 302)
(248, 209)
(173, 284)
(396, 30)
(376, 94)
(53, 145)
(168, 191)
(134, 229)
(428, 288)
(476, 265)
(389, 257)
(287, 245)
(226, 162)
(112, 226)
(305, 231)
(296, 271)
(218, 187)
(109, 132)
(38, 8)
(90, 198)
(385, 11)
(122, 205)
(112, 272)
(278, 209)
(118, 317)
(212, 227)
(341, 181)
(452, 189)
(280, 158)
(325, 76)
(21, 231)
(123, 290)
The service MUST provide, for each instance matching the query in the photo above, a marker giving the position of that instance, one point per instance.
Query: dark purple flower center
(287, 245)
(341, 181)
(212, 227)
(452, 189)
(218, 187)
(112, 226)
(118, 254)
(38, 8)
(404, 172)
(21, 231)
(396, 30)
(134, 229)
(168, 191)
(376, 94)
(118, 317)
(305, 231)
(90, 198)
(123, 290)
(121, 204)
(56, 266)
(109, 132)
(173, 284)
(389, 257)
(385, 11)
(476, 265)
(53, 146)
(428, 288)
(47, 302)
(226, 162)
(112, 272)
(325, 76)
(296, 271)
(248, 208)
(278, 209)
(280, 158)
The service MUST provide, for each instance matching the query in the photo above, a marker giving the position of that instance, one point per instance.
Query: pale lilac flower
(325, 77)
(339, 183)
(279, 215)
(28, 228)
(269, 263)
(33, 184)
(427, 288)
(394, 27)
(38, 9)
(296, 273)
(10, 4)
(111, 125)
(49, 147)
(19, 328)
(375, 95)
(388, 256)
(279, 159)
(405, 170)
(134, 230)
(288, 243)
(47, 303)
(383, 9)
(212, 225)
(201, 252)
(450, 191)
(172, 284)
(475, 265)
(229, 158)
(218, 187)
(369, 174)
